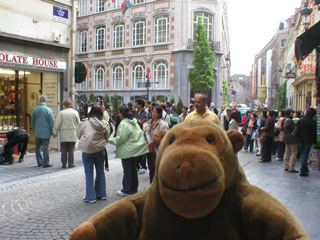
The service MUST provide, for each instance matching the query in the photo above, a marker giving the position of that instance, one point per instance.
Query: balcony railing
(215, 46)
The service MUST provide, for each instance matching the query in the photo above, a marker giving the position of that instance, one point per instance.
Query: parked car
(243, 112)
(241, 105)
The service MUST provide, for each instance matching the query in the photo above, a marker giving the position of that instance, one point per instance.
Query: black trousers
(142, 162)
(266, 149)
(22, 148)
(151, 157)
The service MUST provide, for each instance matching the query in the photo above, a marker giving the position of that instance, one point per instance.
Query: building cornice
(33, 40)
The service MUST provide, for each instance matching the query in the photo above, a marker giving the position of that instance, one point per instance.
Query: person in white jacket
(66, 126)
(93, 133)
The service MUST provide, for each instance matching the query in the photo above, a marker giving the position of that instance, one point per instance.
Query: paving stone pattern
(46, 203)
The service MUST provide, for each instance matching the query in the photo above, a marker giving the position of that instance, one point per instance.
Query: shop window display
(11, 92)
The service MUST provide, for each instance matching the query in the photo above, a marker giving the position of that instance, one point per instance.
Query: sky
(252, 24)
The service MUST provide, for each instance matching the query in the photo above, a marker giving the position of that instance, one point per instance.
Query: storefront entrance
(19, 96)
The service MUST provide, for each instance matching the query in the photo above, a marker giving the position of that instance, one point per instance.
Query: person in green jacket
(130, 145)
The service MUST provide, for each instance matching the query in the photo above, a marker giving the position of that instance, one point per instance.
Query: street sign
(80, 73)
(233, 92)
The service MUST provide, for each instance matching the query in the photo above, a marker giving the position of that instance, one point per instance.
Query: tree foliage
(115, 107)
(179, 106)
(163, 99)
(226, 90)
(91, 97)
(85, 97)
(154, 99)
(281, 96)
(201, 77)
(106, 99)
(172, 100)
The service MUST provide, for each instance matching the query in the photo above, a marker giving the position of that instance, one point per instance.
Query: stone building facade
(152, 38)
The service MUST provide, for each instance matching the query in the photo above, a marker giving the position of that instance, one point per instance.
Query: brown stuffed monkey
(199, 192)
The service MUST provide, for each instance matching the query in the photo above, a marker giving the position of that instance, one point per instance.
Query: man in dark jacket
(15, 137)
(307, 134)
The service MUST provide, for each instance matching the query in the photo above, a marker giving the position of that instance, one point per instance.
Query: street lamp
(305, 13)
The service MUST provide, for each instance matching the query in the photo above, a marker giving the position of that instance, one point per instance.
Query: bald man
(201, 112)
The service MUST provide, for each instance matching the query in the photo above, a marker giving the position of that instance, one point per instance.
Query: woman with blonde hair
(66, 126)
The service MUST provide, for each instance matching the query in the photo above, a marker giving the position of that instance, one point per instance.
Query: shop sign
(31, 62)
(307, 68)
(60, 15)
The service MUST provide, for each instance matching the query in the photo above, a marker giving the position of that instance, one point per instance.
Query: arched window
(160, 73)
(83, 42)
(118, 35)
(83, 85)
(100, 38)
(207, 21)
(139, 32)
(117, 76)
(100, 5)
(99, 77)
(83, 7)
(161, 29)
(138, 73)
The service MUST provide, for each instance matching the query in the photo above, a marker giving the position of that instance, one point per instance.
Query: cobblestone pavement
(46, 203)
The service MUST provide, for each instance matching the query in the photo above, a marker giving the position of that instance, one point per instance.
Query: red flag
(123, 5)
(113, 1)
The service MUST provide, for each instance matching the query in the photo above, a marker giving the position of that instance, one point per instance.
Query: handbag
(276, 132)
(253, 135)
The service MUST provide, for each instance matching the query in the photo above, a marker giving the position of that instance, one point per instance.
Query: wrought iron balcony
(215, 46)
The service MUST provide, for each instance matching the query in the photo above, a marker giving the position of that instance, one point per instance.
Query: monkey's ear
(158, 136)
(236, 140)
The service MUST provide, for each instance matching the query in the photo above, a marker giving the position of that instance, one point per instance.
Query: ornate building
(154, 37)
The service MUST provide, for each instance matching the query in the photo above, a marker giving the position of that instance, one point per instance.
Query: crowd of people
(288, 134)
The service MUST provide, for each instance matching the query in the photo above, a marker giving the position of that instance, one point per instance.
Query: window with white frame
(139, 1)
(207, 22)
(99, 77)
(160, 73)
(100, 38)
(139, 32)
(83, 7)
(117, 4)
(83, 86)
(83, 42)
(117, 76)
(100, 5)
(118, 35)
(138, 73)
(161, 29)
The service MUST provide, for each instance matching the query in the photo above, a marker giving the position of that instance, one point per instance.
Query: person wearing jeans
(93, 134)
(42, 160)
(96, 189)
(307, 135)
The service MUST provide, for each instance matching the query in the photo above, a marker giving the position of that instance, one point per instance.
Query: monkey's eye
(171, 140)
(210, 140)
